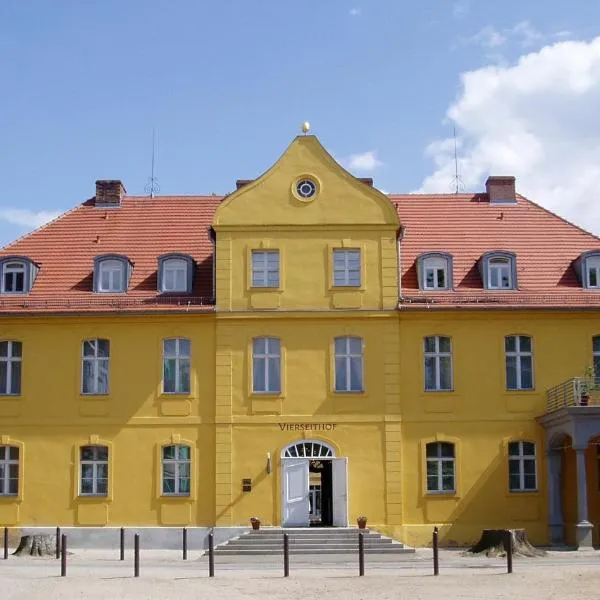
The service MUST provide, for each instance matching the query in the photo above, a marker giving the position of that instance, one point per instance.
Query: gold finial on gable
(305, 127)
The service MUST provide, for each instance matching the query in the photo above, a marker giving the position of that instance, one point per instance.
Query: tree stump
(36, 545)
(493, 543)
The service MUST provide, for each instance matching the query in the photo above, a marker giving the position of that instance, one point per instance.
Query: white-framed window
(176, 470)
(435, 273)
(266, 365)
(93, 469)
(11, 356)
(519, 362)
(438, 363)
(596, 358)
(500, 274)
(349, 364)
(14, 277)
(174, 275)
(176, 366)
(346, 267)
(265, 268)
(9, 470)
(95, 366)
(593, 272)
(111, 276)
(522, 467)
(441, 471)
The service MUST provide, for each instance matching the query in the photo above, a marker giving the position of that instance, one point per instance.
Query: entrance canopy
(308, 449)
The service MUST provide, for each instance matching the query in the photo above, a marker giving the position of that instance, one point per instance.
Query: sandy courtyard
(96, 574)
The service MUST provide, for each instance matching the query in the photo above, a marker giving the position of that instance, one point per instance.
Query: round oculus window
(306, 188)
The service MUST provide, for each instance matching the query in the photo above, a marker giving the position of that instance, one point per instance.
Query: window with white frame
(111, 275)
(440, 467)
(346, 267)
(499, 274)
(521, 467)
(14, 277)
(175, 477)
(265, 268)
(95, 365)
(266, 365)
(176, 366)
(592, 265)
(596, 358)
(349, 364)
(9, 470)
(435, 273)
(519, 362)
(10, 368)
(93, 469)
(174, 275)
(438, 363)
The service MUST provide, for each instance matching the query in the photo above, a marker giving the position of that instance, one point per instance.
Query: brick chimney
(109, 193)
(501, 190)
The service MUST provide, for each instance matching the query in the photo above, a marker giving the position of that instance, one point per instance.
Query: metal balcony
(578, 391)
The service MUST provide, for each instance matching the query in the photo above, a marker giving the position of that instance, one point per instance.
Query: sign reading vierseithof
(307, 426)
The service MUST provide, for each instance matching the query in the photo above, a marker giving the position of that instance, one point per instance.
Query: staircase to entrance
(338, 540)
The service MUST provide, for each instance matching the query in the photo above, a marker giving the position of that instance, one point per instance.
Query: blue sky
(226, 84)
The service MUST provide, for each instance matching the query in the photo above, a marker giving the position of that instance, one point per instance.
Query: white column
(555, 516)
(583, 527)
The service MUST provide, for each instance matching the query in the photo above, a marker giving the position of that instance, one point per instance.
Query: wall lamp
(268, 463)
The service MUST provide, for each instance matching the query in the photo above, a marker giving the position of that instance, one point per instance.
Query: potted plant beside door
(361, 522)
(255, 522)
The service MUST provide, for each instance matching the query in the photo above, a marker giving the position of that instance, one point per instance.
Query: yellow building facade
(307, 400)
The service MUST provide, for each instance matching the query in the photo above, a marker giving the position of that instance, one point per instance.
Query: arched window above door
(308, 449)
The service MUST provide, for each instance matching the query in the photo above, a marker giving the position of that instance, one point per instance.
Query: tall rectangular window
(176, 470)
(265, 268)
(10, 368)
(95, 363)
(93, 467)
(596, 358)
(9, 470)
(519, 362)
(346, 267)
(348, 364)
(440, 467)
(176, 366)
(438, 363)
(521, 467)
(266, 365)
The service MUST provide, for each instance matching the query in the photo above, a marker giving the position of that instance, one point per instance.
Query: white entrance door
(339, 472)
(295, 501)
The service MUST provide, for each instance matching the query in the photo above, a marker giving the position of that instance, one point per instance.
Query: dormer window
(435, 271)
(175, 273)
(498, 271)
(111, 274)
(587, 267)
(18, 275)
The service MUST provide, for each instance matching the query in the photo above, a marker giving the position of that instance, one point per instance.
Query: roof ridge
(41, 227)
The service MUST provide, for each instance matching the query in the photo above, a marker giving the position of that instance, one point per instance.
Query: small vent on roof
(501, 190)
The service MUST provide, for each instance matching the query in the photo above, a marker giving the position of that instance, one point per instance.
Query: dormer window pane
(111, 276)
(435, 272)
(175, 275)
(13, 281)
(499, 274)
(593, 272)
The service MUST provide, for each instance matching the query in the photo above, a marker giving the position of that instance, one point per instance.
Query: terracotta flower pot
(361, 522)
(255, 524)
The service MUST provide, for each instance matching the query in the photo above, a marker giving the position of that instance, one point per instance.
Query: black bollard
(509, 551)
(136, 555)
(361, 554)
(286, 555)
(122, 553)
(6, 543)
(63, 556)
(211, 555)
(184, 543)
(436, 559)
(57, 543)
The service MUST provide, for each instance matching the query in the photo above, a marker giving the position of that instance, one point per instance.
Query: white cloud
(365, 162)
(529, 35)
(488, 37)
(27, 218)
(355, 12)
(461, 9)
(535, 119)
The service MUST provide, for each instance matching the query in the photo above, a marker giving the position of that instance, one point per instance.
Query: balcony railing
(579, 391)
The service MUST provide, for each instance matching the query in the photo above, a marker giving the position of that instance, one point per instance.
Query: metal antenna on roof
(457, 182)
(152, 186)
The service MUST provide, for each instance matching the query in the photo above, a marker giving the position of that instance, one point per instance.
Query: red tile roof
(142, 229)
(464, 225)
(467, 226)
